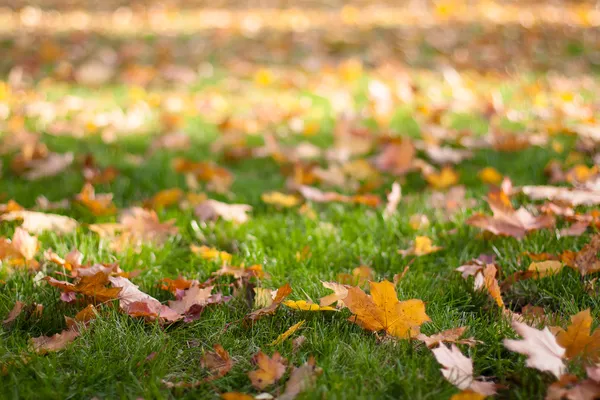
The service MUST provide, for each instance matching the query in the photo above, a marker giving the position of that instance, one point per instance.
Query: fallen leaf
(194, 300)
(289, 332)
(443, 179)
(360, 276)
(540, 346)
(37, 222)
(139, 304)
(506, 221)
(340, 293)
(14, 313)
(212, 210)
(306, 306)
(283, 292)
(383, 311)
(280, 199)
(52, 165)
(491, 284)
(46, 344)
(236, 396)
(447, 336)
(218, 362)
(458, 370)
(301, 379)
(421, 246)
(575, 197)
(92, 286)
(578, 339)
(490, 176)
(164, 198)
(210, 253)
(98, 204)
(270, 370)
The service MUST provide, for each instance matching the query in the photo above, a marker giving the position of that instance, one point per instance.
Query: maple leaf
(144, 225)
(194, 300)
(540, 346)
(270, 370)
(578, 338)
(586, 260)
(421, 246)
(92, 286)
(37, 222)
(45, 344)
(306, 306)
(139, 304)
(571, 388)
(173, 285)
(213, 209)
(458, 370)
(217, 362)
(536, 270)
(289, 332)
(236, 396)
(283, 292)
(98, 204)
(340, 293)
(445, 155)
(84, 317)
(301, 379)
(383, 311)
(506, 221)
(447, 336)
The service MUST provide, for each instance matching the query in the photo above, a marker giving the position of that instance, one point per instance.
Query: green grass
(109, 359)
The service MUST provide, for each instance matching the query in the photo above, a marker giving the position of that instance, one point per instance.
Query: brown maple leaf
(270, 370)
(506, 221)
(217, 362)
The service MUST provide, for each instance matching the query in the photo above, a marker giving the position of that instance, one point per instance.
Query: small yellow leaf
(306, 306)
(490, 176)
(280, 199)
(546, 268)
(291, 330)
(444, 179)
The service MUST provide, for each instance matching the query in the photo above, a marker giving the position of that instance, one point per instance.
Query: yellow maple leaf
(422, 246)
(444, 179)
(383, 311)
(577, 339)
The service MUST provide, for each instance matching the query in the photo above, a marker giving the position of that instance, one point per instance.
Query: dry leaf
(45, 344)
(458, 370)
(139, 304)
(52, 165)
(210, 210)
(383, 311)
(283, 292)
(270, 370)
(575, 197)
(506, 221)
(289, 332)
(578, 339)
(37, 222)
(421, 246)
(541, 348)
(340, 293)
(217, 362)
(280, 199)
(301, 379)
(14, 313)
(306, 306)
(443, 179)
(447, 336)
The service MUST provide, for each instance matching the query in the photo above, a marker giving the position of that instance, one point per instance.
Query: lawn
(233, 113)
